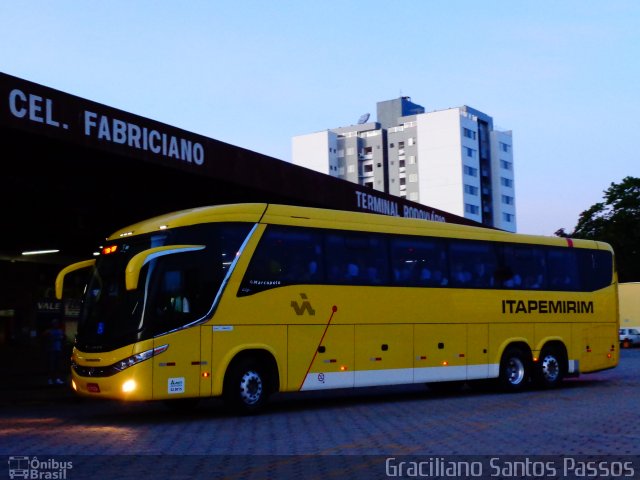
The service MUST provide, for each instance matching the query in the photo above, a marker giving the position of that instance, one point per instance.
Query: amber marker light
(205, 374)
(343, 368)
(74, 386)
(108, 250)
(445, 363)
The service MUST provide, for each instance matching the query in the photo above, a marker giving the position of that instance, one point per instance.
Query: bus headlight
(138, 357)
(128, 386)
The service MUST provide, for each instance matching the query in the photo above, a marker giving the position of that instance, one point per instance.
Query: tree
(616, 221)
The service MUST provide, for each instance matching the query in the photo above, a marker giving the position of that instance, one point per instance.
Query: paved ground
(338, 435)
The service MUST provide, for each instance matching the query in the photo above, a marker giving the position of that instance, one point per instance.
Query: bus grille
(94, 371)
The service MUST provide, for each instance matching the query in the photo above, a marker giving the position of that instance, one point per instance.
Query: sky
(562, 76)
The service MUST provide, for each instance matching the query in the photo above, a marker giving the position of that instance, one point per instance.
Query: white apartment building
(453, 159)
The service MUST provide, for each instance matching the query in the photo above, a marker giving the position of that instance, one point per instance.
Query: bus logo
(304, 307)
(18, 467)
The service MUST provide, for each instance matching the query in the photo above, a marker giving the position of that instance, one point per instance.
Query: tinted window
(596, 269)
(293, 255)
(522, 267)
(174, 289)
(180, 288)
(418, 261)
(356, 259)
(285, 256)
(472, 264)
(562, 269)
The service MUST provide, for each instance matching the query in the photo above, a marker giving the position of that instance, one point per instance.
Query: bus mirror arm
(132, 272)
(67, 270)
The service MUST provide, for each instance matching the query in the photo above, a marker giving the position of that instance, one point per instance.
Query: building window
(368, 168)
(472, 172)
(506, 182)
(368, 184)
(470, 152)
(507, 217)
(504, 147)
(472, 209)
(414, 196)
(471, 190)
(391, 145)
(469, 133)
(506, 165)
(507, 200)
(401, 163)
(341, 153)
(412, 159)
(351, 169)
(413, 178)
(403, 181)
(368, 150)
(400, 144)
(411, 141)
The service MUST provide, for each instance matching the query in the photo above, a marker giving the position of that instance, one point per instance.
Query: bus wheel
(549, 369)
(246, 387)
(514, 370)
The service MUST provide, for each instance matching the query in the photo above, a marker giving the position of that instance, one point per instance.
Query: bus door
(173, 309)
(176, 372)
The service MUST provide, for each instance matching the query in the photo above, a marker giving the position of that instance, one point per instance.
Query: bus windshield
(174, 290)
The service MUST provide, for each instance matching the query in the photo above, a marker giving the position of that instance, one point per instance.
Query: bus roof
(338, 219)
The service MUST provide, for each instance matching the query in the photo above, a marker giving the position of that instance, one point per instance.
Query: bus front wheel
(514, 369)
(246, 387)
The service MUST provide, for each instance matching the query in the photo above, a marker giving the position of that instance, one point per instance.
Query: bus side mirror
(132, 272)
(67, 270)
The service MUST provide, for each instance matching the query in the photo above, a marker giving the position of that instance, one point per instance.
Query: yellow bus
(629, 296)
(242, 301)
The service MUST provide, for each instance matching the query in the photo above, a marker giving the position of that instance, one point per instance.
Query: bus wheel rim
(550, 368)
(515, 371)
(250, 388)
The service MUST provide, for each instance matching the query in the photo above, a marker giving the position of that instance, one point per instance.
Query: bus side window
(473, 264)
(523, 267)
(419, 262)
(596, 269)
(174, 292)
(356, 259)
(562, 269)
(284, 256)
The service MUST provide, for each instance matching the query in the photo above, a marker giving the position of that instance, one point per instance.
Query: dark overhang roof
(74, 170)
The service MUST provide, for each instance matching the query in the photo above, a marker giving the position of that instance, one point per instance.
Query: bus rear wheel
(549, 370)
(246, 387)
(514, 370)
